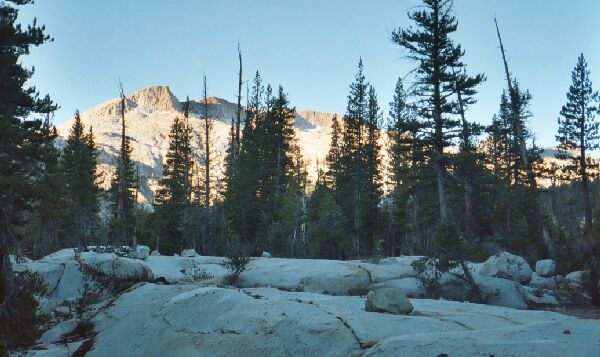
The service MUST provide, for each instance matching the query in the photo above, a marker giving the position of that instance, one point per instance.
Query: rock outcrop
(508, 266)
(388, 300)
(191, 320)
(545, 268)
(177, 306)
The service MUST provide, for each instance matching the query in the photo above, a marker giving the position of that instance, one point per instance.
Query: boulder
(576, 277)
(411, 286)
(62, 311)
(507, 266)
(62, 276)
(140, 252)
(120, 268)
(155, 253)
(176, 270)
(540, 298)
(266, 255)
(388, 300)
(188, 253)
(541, 282)
(494, 291)
(545, 268)
(57, 332)
(332, 277)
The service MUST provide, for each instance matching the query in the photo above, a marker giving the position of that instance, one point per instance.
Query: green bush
(237, 261)
(20, 320)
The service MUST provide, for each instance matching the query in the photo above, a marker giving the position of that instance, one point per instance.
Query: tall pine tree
(123, 188)
(173, 197)
(48, 209)
(79, 161)
(437, 57)
(578, 133)
(354, 167)
(407, 164)
(20, 151)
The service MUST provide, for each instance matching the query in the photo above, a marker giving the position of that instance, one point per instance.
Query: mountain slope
(150, 113)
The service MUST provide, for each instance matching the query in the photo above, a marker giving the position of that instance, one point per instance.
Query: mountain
(150, 113)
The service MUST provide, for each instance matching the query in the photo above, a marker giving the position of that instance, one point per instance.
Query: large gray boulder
(266, 255)
(120, 268)
(188, 253)
(494, 291)
(545, 268)
(576, 278)
(540, 298)
(507, 266)
(388, 300)
(140, 252)
(541, 282)
(411, 286)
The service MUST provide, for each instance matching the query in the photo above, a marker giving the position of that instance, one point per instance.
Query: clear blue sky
(310, 47)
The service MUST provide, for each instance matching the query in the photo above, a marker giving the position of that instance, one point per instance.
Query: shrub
(237, 261)
(20, 320)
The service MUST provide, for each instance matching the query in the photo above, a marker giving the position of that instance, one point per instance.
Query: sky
(310, 47)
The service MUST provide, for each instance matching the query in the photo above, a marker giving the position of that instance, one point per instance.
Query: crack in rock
(368, 273)
(437, 317)
(254, 296)
(361, 344)
(64, 268)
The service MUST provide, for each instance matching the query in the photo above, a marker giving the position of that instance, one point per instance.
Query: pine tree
(514, 201)
(47, 216)
(578, 133)
(265, 195)
(241, 198)
(332, 159)
(173, 197)
(325, 225)
(209, 158)
(440, 76)
(79, 162)
(123, 188)
(518, 100)
(468, 162)
(20, 149)
(283, 176)
(407, 163)
(438, 57)
(495, 148)
(371, 218)
(351, 178)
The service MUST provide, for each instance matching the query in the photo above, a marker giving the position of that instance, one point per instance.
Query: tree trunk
(541, 231)
(207, 143)
(6, 272)
(441, 185)
(238, 115)
(468, 187)
(474, 287)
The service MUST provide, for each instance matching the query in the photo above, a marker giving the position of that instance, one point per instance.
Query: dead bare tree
(208, 145)
(542, 231)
